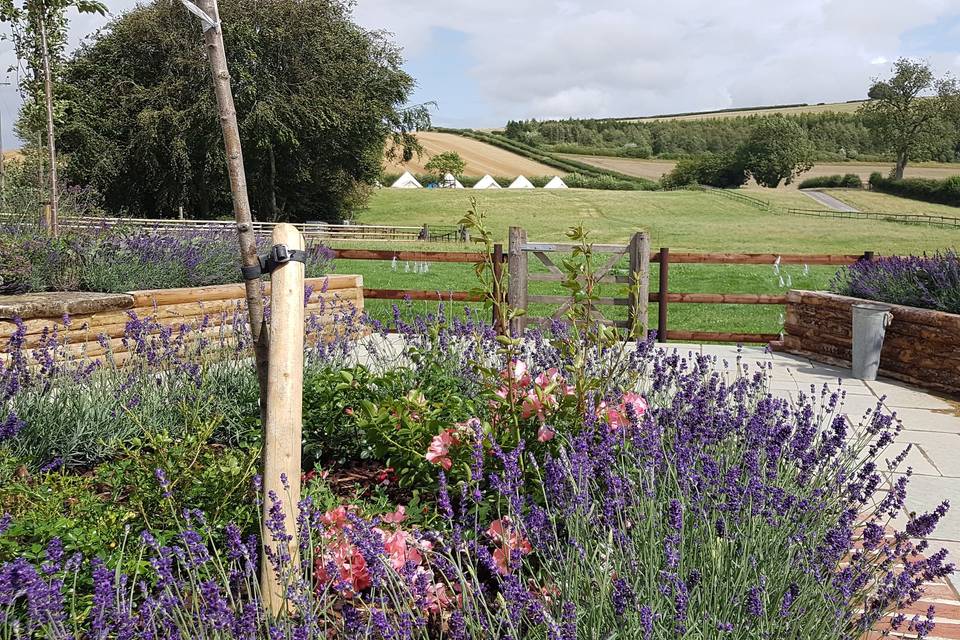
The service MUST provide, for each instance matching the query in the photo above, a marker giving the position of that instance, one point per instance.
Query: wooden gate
(636, 282)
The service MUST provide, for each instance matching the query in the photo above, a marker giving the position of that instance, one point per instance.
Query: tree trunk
(274, 212)
(901, 165)
(213, 38)
(51, 143)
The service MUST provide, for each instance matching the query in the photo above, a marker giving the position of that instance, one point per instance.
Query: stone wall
(921, 347)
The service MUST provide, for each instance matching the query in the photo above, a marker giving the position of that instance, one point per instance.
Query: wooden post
(662, 295)
(639, 295)
(51, 139)
(49, 220)
(284, 400)
(517, 286)
(213, 38)
(498, 289)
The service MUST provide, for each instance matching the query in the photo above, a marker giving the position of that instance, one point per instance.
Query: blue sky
(486, 63)
(441, 77)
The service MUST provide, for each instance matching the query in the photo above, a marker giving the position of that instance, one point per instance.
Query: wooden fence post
(498, 289)
(638, 319)
(517, 288)
(662, 295)
(282, 430)
(50, 221)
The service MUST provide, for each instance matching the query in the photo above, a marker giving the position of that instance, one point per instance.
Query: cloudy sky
(485, 63)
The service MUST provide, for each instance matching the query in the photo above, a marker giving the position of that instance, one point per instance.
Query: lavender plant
(716, 511)
(929, 282)
(116, 259)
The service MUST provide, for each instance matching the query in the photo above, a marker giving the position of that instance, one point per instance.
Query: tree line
(317, 99)
(912, 115)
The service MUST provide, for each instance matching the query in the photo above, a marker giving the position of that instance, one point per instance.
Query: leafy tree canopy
(776, 151)
(28, 19)
(446, 162)
(915, 114)
(317, 97)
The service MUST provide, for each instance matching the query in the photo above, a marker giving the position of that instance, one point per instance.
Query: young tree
(446, 162)
(39, 33)
(316, 99)
(777, 150)
(915, 113)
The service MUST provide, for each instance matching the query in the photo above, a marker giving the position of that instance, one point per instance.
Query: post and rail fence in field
(312, 231)
(517, 295)
(908, 218)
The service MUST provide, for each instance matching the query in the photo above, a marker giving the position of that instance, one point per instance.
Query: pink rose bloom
(398, 550)
(545, 434)
(397, 516)
(351, 567)
(516, 371)
(508, 541)
(437, 597)
(335, 517)
(548, 377)
(531, 406)
(637, 401)
(439, 450)
(616, 417)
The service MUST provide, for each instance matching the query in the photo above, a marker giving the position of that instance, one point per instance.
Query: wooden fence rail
(910, 218)
(312, 231)
(518, 296)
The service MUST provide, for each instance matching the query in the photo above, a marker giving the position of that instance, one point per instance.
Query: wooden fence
(663, 296)
(909, 218)
(312, 231)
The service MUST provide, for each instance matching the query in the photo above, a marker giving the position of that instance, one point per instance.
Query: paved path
(931, 423)
(828, 201)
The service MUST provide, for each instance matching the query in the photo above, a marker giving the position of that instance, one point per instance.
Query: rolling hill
(823, 107)
(481, 158)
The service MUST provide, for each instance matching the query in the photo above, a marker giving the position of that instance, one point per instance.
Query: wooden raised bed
(92, 323)
(921, 347)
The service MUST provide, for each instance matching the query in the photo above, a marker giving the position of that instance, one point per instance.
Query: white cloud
(616, 57)
(559, 58)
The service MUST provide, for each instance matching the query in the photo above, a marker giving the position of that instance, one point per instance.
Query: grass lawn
(681, 220)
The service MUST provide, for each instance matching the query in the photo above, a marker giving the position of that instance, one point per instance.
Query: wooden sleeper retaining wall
(921, 346)
(83, 320)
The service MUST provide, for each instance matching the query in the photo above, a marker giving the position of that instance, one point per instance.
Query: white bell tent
(450, 182)
(521, 183)
(406, 181)
(487, 182)
(556, 183)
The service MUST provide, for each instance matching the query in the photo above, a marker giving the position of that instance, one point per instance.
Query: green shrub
(938, 191)
(609, 183)
(331, 400)
(848, 181)
(89, 512)
(715, 170)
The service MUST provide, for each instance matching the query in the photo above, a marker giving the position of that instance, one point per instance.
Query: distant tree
(39, 34)
(446, 162)
(777, 150)
(913, 113)
(724, 171)
(318, 98)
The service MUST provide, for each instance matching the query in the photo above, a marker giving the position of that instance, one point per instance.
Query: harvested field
(481, 158)
(653, 169)
(839, 107)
